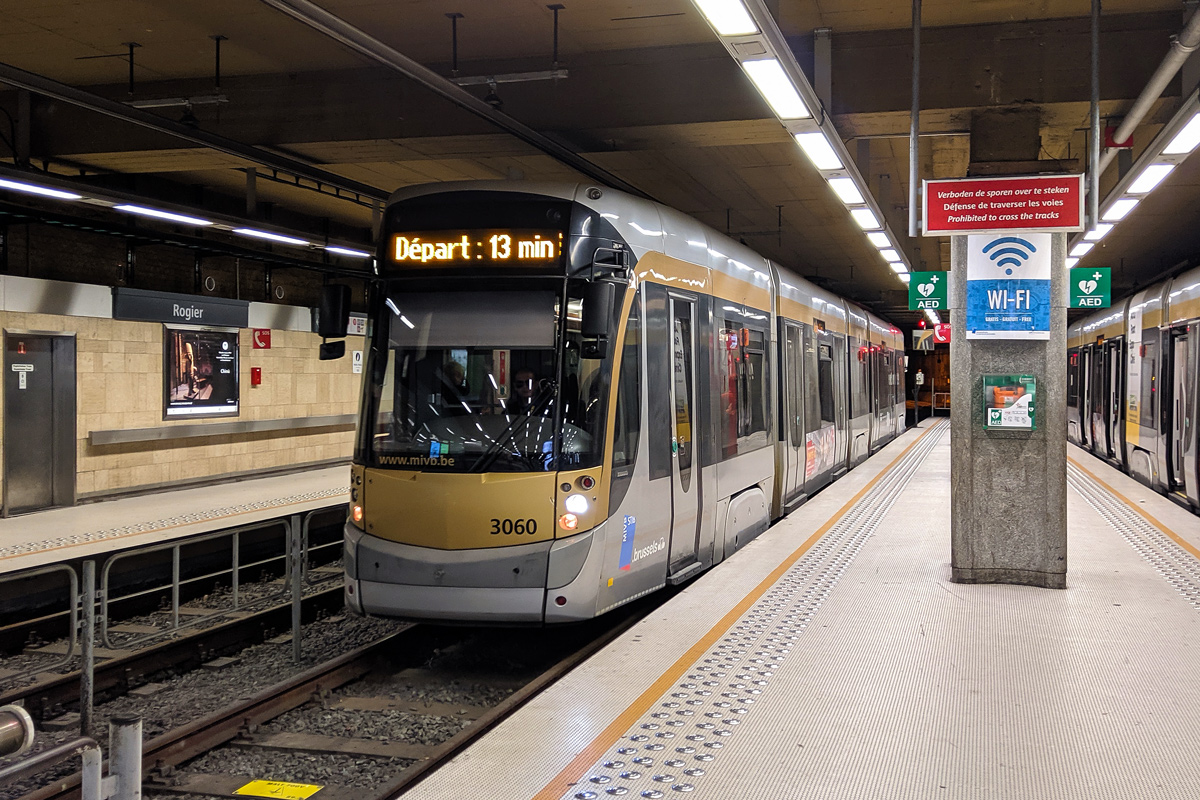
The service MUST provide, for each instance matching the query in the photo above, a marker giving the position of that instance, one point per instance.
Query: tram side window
(1072, 376)
(825, 381)
(755, 380)
(794, 401)
(743, 383)
(629, 410)
(1149, 393)
(859, 377)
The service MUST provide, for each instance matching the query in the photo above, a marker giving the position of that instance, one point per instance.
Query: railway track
(369, 723)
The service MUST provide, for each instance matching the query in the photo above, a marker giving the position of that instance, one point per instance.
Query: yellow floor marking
(156, 530)
(562, 782)
(1179, 540)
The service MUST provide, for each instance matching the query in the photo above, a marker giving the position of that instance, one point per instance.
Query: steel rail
(114, 673)
(497, 714)
(196, 738)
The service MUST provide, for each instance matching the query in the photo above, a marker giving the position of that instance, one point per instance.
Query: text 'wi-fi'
(1011, 251)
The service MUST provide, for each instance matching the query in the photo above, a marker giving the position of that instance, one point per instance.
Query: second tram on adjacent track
(1133, 386)
(575, 397)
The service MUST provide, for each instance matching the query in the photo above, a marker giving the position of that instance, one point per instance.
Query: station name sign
(144, 306)
(1045, 203)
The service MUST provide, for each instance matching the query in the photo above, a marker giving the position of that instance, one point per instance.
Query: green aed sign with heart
(1091, 288)
(928, 290)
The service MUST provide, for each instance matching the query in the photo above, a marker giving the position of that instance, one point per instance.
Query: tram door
(1100, 388)
(39, 421)
(793, 405)
(1181, 400)
(1116, 394)
(685, 464)
(1085, 390)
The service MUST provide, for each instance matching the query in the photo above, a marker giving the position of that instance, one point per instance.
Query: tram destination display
(201, 372)
(476, 248)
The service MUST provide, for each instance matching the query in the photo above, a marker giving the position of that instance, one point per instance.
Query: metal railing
(176, 583)
(124, 780)
(72, 613)
(290, 559)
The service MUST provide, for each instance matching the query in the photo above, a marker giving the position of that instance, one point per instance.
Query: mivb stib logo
(1009, 252)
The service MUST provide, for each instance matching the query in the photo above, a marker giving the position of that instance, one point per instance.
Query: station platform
(833, 658)
(48, 537)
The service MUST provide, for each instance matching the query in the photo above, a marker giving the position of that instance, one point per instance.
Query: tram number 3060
(514, 527)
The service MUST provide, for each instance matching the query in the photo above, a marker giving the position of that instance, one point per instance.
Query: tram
(1132, 395)
(574, 397)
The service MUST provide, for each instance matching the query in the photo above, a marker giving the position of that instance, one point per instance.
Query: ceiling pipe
(1182, 46)
(338, 29)
(1093, 215)
(20, 79)
(914, 126)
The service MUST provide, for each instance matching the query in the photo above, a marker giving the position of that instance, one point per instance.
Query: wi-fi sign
(1009, 252)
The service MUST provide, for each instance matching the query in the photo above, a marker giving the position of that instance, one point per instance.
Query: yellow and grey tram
(574, 397)
(1132, 375)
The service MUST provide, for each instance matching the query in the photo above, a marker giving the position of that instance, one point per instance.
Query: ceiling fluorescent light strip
(776, 88)
(1170, 148)
(33, 188)
(728, 17)
(752, 37)
(1119, 209)
(273, 237)
(1150, 178)
(847, 191)
(346, 251)
(157, 214)
(1186, 140)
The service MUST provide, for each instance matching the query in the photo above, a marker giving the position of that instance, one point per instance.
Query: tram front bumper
(501, 585)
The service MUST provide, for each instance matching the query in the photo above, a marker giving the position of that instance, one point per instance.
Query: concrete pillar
(1009, 488)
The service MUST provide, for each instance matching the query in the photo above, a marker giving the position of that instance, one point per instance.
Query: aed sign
(928, 291)
(1049, 203)
(1008, 286)
(1091, 288)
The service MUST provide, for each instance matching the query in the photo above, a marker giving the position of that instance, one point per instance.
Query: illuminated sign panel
(476, 248)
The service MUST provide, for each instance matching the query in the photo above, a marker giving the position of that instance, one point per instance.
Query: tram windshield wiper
(548, 391)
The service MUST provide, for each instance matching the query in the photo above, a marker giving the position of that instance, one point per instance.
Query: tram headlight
(568, 522)
(356, 514)
(576, 503)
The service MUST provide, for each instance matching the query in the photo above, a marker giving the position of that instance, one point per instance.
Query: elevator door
(39, 421)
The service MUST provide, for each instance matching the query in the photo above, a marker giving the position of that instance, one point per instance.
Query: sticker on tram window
(513, 527)
(628, 529)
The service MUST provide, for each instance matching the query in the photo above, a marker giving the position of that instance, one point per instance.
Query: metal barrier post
(175, 588)
(87, 668)
(295, 562)
(92, 783)
(125, 756)
(237, 568)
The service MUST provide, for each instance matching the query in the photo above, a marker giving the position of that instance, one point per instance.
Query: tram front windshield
(476, 382)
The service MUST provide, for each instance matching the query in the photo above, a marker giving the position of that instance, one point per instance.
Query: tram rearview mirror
(330, 351)
(598, 301)
(333, 314)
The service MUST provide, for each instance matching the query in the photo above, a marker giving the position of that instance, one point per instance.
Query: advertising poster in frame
(200, 372)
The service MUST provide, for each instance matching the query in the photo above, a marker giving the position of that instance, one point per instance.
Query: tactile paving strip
(1177, 566)
(161, 524)
(673, 747)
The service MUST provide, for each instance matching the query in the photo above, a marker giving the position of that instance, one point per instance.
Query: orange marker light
(568, 522)
(356, 514)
